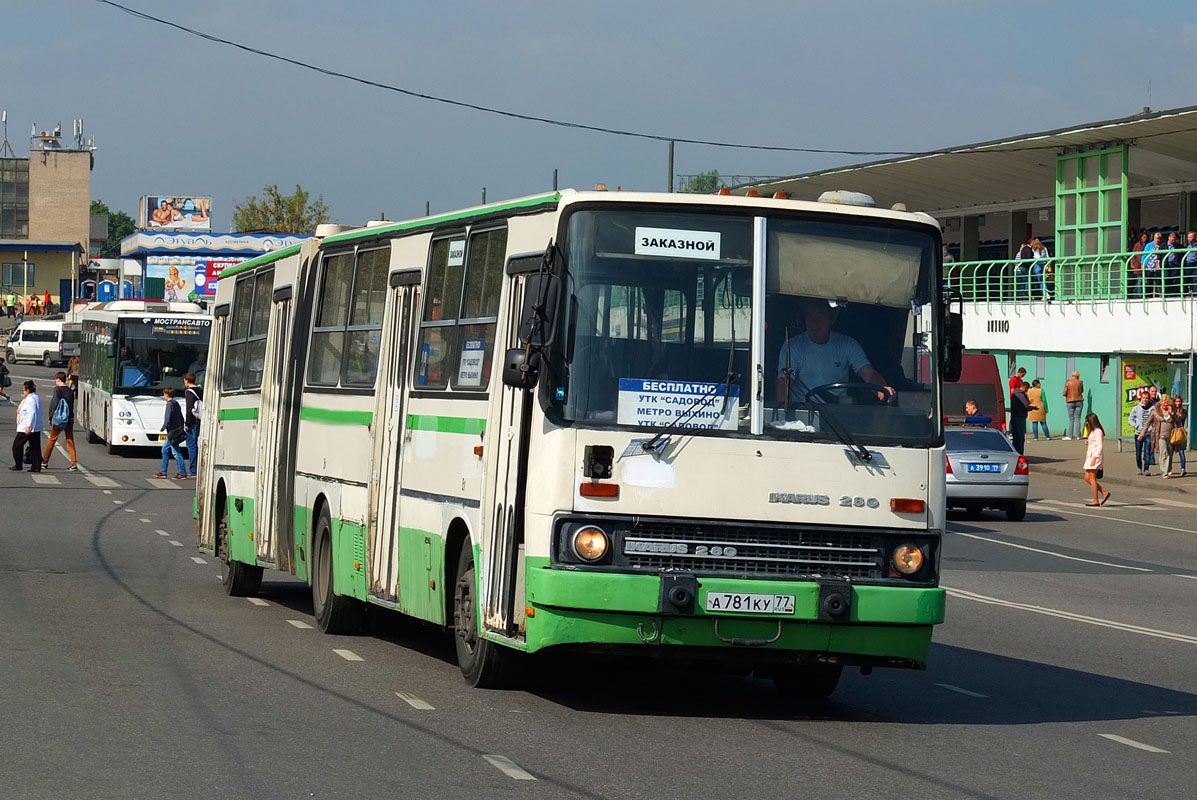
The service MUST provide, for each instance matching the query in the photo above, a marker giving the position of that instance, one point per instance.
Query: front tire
(1016, 511)
(237, 578)
(46, 360)
(335, 614)
(484, 664)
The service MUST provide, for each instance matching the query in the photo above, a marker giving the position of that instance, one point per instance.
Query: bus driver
(820, 356)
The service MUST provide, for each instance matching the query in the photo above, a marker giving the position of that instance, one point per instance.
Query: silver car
(985, 471)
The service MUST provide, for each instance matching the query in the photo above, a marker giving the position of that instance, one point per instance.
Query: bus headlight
(590, 543)
(908, 559)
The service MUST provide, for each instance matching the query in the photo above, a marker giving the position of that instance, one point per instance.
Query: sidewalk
(1059, 457)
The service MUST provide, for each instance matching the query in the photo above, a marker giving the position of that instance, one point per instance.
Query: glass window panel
(1068, 209)
(1069, 173)
(263, 288)
(485, 274)
(324, 365)
(242, 306)
(1089, 242)
(370, 288)
(233, 367)
(674, 316)
(1067, 243)
(1090, 201)
(434, 358)
(1112, 200)
(474, 360)
(444, 280)
(255, 358)
(1114, 168)
(334, 299)
(1112, 240)
(361, 357)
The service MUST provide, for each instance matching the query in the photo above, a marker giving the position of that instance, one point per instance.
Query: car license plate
(984, 468)
(743, 603)
(153, 437)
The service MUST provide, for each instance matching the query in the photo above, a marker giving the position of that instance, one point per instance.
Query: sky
(172, 113)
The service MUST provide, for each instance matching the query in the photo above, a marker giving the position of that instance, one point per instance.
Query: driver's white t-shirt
(834, 361)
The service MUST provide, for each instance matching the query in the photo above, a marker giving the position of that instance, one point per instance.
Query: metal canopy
(1014, 172)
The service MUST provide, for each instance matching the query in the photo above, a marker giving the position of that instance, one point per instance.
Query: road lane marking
(348, 655)
(107, 491)
(958, 690)
(144, 519)
(1131, 742)
(414, 701)
(1172, 528)
(509, 768)
(99, 481)
(176, 544)
(1053, 612)
(298, 623)
(198, 560)
(257, 601)
(119, 502)
(1167, 501)
(131, 510)
(1190, 577)
(161, 532)
(1047, 552)
(45, 480)
(164, 483)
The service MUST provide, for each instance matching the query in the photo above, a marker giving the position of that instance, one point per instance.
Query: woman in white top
(1094, 458)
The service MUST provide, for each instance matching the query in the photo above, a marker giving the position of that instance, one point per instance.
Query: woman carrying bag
(1180, 432)
(1094, 458)
(1160, 424)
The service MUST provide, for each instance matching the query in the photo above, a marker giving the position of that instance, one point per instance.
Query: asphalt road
(1065, 670)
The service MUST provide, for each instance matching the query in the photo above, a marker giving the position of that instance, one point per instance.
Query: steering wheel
(864, 389)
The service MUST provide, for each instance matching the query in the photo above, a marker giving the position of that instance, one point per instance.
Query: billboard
(188, 277)
(175, 212)
(1169, 377)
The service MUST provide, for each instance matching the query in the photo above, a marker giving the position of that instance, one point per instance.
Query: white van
(48, 341)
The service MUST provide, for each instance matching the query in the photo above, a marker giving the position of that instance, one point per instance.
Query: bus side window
(365, 318)
(328, 336)
(235, 359)
(441, 301)
(480, 308)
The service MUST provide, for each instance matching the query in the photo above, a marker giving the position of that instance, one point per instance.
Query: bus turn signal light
(908, 559)
(907, 505)
(595, 489)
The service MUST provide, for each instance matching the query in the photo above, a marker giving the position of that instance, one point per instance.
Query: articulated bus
(570, 422)
(131, 351)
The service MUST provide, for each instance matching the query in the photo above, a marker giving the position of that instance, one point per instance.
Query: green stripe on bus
(382, 230)
(238, 413)
(335, 416)
(266, 258)
(429, 422)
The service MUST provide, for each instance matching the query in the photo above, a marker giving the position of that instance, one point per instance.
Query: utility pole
(554, 180)
(670, 184)
(483, 195)
(427, 208)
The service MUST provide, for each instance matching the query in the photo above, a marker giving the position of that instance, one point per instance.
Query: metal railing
(1131, 277)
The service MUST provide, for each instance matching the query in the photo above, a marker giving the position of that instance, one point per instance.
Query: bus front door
(390, 424)
(274, 542)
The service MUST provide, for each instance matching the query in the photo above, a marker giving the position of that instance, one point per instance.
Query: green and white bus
(554, 422)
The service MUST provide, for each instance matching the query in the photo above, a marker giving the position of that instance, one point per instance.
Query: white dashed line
(1109, 518)
(198, 560)
(107, 491)
(298, 623)
(119, 502)
(45, 480)
(131, 510)
(1131, 743)
(161, 532)
(1190, 577)
(348, 655)
(509, 768)
(164, 483)
(176, 544)
(145, 519)
(958, 690)
(1052, 612)
(1046, 552)
(99, 481)
(414, 701)
(1165, 501)
(257, 601)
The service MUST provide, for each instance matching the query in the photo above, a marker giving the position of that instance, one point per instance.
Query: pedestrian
(1172, 268)
(1159, 430)
(1134, 277)
(1138, 422)
(1038, 416)
(194, 398)
(1038, 287)
(1074, 401)
(5, 381)
(1094, 459)
(62, 420)
(27, 444)
(47, 304)
(1151, 265)
(1016, 380)
(1020, 406)
(1188, 271)
(1022, 283)
(172, 425)
(1180, 442)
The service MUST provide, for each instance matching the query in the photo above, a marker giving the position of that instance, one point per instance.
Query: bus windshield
(153, 353)
(657, 325)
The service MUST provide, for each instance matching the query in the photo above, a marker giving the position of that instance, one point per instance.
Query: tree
(279, 213)
(705, 183)
(120, 225)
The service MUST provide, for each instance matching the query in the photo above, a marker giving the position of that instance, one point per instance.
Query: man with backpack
(191, 419)
(62, 420)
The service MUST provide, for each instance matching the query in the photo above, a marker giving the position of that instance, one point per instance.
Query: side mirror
(519, 371)
(542, 293)
(953, 346)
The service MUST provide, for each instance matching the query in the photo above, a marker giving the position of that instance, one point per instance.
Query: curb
(1073, 473)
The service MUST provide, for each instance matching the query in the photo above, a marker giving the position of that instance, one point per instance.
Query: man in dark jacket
(191, 418)
(62, 395)
(1020, 405)
(172, 426)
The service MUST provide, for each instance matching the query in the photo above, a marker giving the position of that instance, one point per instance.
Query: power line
(487, 109)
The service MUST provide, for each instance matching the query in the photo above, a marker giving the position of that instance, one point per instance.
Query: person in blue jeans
(1179, 418)
(172, 426)
(1138, 421)
(194, 400)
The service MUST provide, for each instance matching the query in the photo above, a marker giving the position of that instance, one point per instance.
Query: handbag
(1101, 473)
(1178, 437)
(62, 414)
(176, 436)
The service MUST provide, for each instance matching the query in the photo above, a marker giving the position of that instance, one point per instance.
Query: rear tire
(46, 360)
(973, 510)
(1016, 511)
(484, 664)
(239, 579)
(807, 687)
(335, 614)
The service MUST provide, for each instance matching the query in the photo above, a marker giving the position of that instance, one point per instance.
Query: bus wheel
(92, 438)
(485, 664)
(238, 579)
(335, 614)
(807, 686)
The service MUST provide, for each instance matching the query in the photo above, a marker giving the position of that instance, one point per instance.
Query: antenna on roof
(6, 147)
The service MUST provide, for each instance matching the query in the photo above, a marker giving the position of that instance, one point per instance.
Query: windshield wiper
(833, 422)
(651, 445)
